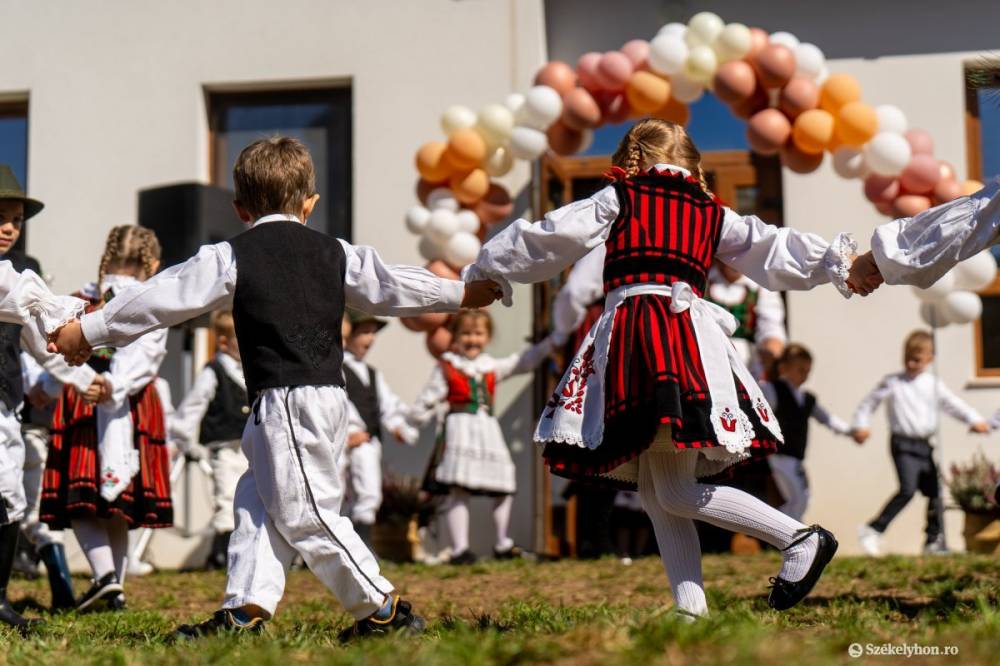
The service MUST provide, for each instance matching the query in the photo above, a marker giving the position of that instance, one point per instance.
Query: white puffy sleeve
(919, 250)
(430, 400)
(535, 251)
(770, 312)
(135, 365)
(780, 258)
(25, 298)
(584, 285)
(523, 361)
(50, 369)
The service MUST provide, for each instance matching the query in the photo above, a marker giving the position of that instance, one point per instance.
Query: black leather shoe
(512, 553)
(221, 622)
(465, 557)
(107, 588)
(785, 594)
(402, 621)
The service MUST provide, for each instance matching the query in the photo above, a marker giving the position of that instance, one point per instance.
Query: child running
(287, 286)
(656, 394)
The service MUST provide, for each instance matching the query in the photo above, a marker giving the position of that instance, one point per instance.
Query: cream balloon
(495, 122)
(962, 307)
(890, 119)
(667, 54)
(977, 272)
(514, 102)
(430, 250)
(733, 42)
(542, 107)
(933, 314)
(809, 60)
(703, 29)
(937, 291)
(416, 219)
(785, 39)
(498, 163)
(457, 117)
(701, 64)
(442, 199)
(462, 249)
(673, 30)
(527, 143)
(887, 154)
(468, 221)
(849, 162)
(684, 89)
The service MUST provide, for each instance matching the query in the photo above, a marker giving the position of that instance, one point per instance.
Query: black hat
(11, 189)
(357, 317)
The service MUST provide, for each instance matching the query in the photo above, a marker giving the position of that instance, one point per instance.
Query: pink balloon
(920, 141)
(613, 71)
(881, 189)
(946, 189)
(768, 131)
(637, 51)
(921, 174)
(947, 171)
(908, 205)
(586, 70)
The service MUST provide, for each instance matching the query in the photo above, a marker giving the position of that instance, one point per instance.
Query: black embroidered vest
(794, 420)
(288, 306)
(365, 399)
(11, 383)
(227, 412)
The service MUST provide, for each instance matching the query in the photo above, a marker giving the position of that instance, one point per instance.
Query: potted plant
(395, 534)
(973, 487)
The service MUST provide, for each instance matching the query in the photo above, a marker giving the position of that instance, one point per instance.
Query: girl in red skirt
(656, 397)
(108, 467)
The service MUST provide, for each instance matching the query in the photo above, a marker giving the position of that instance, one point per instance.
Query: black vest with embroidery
(11, 383)
(227, 412)
(365, 399)
(793, 419)
(288, 306)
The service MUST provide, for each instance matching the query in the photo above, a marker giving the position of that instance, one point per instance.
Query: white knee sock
(96, 546)
(117, 530)
(501, 521)
(457, 515)
(679, 492)
(680, 550)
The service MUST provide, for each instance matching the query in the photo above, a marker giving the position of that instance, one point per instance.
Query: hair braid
(129, 246)
(651, 141)
(112, 248)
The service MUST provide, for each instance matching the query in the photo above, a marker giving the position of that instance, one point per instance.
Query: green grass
(559, 613)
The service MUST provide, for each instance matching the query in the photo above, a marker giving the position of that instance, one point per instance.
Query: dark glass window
(14, 147)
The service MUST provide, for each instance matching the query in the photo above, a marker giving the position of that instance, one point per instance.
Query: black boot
(8, 546)
(60, 582)
(219, 557)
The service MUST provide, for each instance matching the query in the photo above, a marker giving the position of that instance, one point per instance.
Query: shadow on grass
(941, 605)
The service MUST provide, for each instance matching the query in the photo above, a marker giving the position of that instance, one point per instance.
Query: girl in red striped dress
(656, 397)
(108, 467)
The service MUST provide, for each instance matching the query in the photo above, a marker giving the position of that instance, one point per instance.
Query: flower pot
(395, 541)
(982, 533)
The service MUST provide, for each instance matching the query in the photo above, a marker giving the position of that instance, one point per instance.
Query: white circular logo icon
(855, 650)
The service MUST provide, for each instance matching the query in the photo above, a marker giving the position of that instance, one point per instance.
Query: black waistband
(621, 269)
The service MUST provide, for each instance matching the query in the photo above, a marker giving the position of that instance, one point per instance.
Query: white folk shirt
(392, 410)
(913, 405)
(769, 309)
(185, 426)
(584, 285)
(919, 250)
(819, 413)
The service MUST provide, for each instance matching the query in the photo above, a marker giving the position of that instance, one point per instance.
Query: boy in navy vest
(209, 424)
(287, 286)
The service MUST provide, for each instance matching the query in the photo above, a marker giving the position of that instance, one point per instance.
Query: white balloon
(890, 119)
(442, 198)
(514, 102)
(673, 30)
(587, 141)
(684, 89)
(457, 117)
(733, 42)
(495, 123)
(823, 75)
(887, 154)
(667, 54)
(784, 38)
(937, 291)
(462, 249)
(430, 250)
(498, 163)
(542, 107)
(468, 221)
(701, 64)
(962, 307)
(527, 143)
(442, 225)
(703, 29)
(416, 219)
(977, 272)
(809, 60)
(849, 162)
(934, 315)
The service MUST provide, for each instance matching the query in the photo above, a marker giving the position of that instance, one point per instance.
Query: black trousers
(916, 471)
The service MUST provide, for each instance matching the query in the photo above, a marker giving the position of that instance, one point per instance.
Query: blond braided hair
(130, 248)
(652, 141)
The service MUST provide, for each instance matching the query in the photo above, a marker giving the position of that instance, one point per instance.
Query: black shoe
(403, 621)
(8, 546)
(785, 594)
(60, 582)
(465, 557)
(117, 602)
(221, 622)
(512, 553)
(106, 588)
(12, 618)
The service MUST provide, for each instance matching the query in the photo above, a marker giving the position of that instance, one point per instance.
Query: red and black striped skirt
(71, 485)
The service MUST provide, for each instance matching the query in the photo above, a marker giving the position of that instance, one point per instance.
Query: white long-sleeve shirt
(769, 309)
(919, 250)
(913, 404)
(584, 285)
(819, 413)
(185, 427)
(776, 258)
(392, 409)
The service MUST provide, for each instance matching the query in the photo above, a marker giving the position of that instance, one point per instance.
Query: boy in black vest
(209, 424)
(793, 408)
(287, 286)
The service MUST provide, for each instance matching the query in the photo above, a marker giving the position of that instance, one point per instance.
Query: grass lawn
(558, 613)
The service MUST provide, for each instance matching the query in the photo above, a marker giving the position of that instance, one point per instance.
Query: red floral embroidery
(570, 397)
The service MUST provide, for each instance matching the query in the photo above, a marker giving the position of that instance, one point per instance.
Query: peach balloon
(674, 111)
(947, 171)
(470, 187)
(431, 162)
(813, 131)
(800, 95)
(921, 174)
(798, 161)
(411, 323)
(857, 123)
(646, 92)
(637, 51)
(768, 131)
(442, 270)
(908, 205)
(886, 208)
(946, 190)
(613, 71)
(438, 341)
(921, 142)
(426, 322)
(758, 40)
(557, 75)
(734, 82)
(881, 189)
(838, 90)
(615, 108)
(758, 101)
(775, 65)
(580, 110)
(564, 140)
(466, 149)
(586, 70)
(970, 187)
(495, 206)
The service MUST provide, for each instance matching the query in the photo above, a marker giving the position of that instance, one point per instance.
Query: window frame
(18, 108)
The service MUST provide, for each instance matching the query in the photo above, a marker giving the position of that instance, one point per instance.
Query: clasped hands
(864, 276)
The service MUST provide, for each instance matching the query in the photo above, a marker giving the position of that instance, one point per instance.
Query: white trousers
(364, 476)
(11, 468)
(36, 449)
(289, 502)
(789, 475)
(228, 465)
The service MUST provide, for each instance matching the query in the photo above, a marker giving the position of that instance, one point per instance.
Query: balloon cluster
(952, 299)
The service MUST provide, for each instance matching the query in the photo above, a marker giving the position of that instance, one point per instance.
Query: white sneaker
(139, 568)
(627, 561)
(870, 540)
(936, 547)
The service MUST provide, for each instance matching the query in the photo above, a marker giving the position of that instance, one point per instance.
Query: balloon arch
(793, 106)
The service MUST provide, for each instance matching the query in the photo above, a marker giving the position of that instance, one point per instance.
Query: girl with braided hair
(107, 470)
(656, 397)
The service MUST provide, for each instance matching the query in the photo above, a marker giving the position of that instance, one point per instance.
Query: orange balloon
(857, 123)
(768, 131)
(431, 162)
(800, 95)
(775, 65)
(734, 82)
(838, 90)
(441, 269)
(470, 187)
(798, 161)
(647, 92)
(438, 341)
(466, 149)
(674, 111)
(971, 187)
(557, 75)
(580, 110)
(813, 131)
(562, 139)
(495, 206)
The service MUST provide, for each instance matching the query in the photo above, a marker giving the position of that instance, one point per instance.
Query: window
(321, 119)
(14, 147)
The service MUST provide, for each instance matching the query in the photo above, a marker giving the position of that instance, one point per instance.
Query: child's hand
(98, 391)
(356, 439)
(480, 293)
(982, 427)
(68, 340)
(864, 276)
(860, 435)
